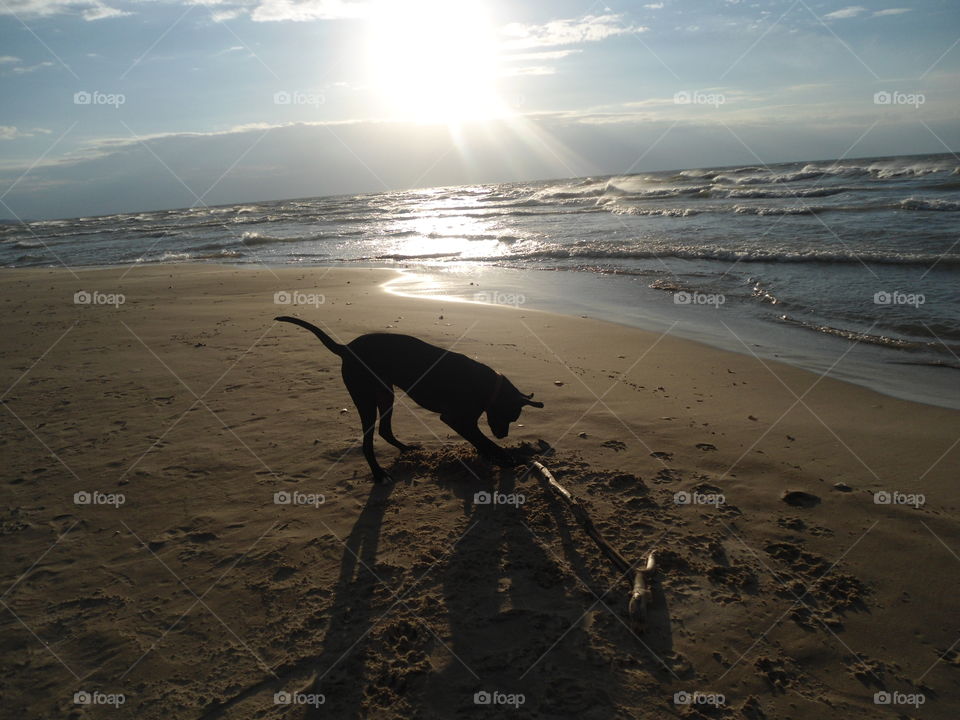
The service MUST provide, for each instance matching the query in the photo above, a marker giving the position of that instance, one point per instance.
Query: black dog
(458, 388)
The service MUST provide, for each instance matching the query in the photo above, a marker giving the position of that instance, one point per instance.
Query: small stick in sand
(640, 595)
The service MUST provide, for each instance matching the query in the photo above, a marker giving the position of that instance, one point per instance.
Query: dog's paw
(382, 477)
(505, 460)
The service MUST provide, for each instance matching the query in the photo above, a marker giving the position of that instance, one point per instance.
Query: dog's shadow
(340, 667)
(515, 614)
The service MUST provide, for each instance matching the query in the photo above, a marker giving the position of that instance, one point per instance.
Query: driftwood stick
(640, 595)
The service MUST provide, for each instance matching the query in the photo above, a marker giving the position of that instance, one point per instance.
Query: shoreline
(187, 399)
(882, 370)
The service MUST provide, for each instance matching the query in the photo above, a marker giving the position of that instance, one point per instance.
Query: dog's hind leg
(385, 406)
(364, 396)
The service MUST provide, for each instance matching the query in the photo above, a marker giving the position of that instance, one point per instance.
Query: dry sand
(200, 597)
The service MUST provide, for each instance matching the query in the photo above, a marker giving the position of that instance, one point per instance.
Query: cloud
(10, 132)
(224, 15)
(591, 28)
(845, 13)
(24, 69)
(9, 60)
(528, 70)
(303, 10)
(654, 6)
(891, 11)
(99, 11)
(89, 10)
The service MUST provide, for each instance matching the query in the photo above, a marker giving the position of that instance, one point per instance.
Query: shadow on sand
(518, 622)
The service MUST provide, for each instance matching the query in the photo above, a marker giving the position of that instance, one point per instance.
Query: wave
(862, 337)
(255, 238)
(799, 192)
(725, 255)
(796, 210)
(915, 203)
(662, 212)
(401, 256)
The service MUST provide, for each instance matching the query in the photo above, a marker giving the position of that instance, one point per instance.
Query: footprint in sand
(659, 455)
(706, 447)
(614, 445)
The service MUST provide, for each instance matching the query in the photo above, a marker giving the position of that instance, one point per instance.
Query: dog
(458, 388)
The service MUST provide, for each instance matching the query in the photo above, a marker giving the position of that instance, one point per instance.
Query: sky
(132, 105)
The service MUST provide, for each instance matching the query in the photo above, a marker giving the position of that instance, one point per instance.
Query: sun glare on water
(435, 61)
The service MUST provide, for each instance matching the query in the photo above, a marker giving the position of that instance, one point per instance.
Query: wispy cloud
(89, 10)
(891, 11)
(24, 69)
(570, 31)
(845, 13)
(99, 11)
(11, 132)
(303, 10)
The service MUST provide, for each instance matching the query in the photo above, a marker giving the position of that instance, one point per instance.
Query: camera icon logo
(282, 698)
(682, 298)
(282, 297)
(282, 498)
(82, 498)
(882, 298)
(882, 698)
(681, 498)
(882, 497)
(482, 498)
(281, 98)
(82, 297)
(482, 698)
(82, 698)
(682, 698)
(82, 98)
(682, 98)
(882, 98)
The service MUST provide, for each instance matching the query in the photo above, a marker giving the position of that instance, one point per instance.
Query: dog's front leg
(467, 428)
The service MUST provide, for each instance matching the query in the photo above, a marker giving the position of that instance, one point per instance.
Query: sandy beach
(190, 530)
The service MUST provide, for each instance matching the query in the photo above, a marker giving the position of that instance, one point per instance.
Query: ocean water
(794, 260)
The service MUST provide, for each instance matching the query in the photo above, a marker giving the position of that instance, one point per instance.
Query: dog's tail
(328, 342)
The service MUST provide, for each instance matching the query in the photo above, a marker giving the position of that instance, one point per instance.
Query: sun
(433, 61)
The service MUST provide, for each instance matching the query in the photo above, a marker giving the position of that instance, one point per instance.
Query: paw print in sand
(614, 445)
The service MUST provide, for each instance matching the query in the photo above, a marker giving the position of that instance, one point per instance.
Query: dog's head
(506, 407)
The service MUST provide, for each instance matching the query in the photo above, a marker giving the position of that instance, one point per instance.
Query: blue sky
(112, 106)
